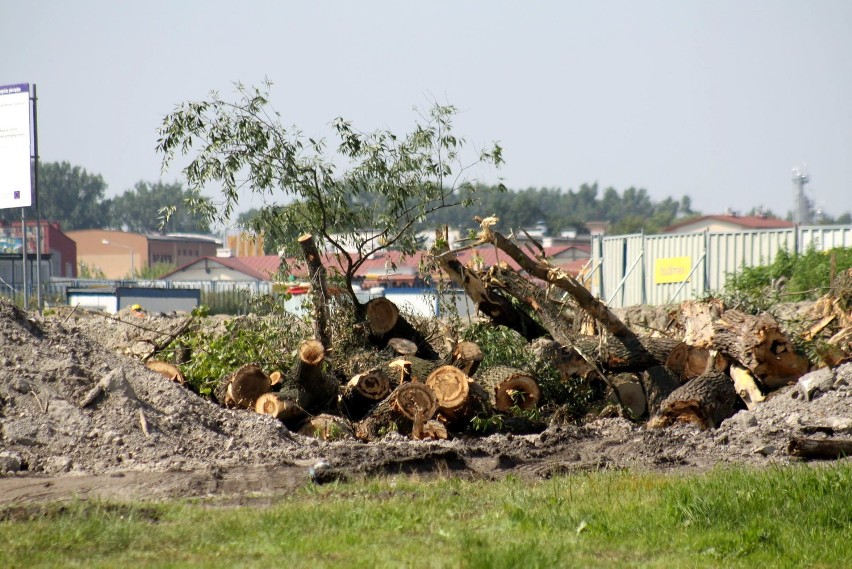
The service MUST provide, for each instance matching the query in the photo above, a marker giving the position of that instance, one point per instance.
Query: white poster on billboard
(15, 141)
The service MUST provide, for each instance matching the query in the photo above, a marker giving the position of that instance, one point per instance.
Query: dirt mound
(77, 405)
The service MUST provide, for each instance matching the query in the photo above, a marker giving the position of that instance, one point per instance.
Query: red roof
(744, 221)
(234, 263)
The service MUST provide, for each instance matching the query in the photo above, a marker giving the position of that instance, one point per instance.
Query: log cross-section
(509, 387)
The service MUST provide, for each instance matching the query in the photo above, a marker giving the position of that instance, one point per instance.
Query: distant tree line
(75, 198)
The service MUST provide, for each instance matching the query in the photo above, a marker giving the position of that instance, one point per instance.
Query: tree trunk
(319, 289)
(658, 382)
(824, 449)
(363, 392)
(316, 389)
(398, 411)
(487, 300)
(559, 278)
(508, 387)
(242, 387)
(384, 323)
(706, 401)
(625, 354)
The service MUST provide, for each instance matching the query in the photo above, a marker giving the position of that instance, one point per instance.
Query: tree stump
(509, 387)
(242, 387)
(705, 401)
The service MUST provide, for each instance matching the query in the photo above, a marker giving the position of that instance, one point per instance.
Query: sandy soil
(141, 436)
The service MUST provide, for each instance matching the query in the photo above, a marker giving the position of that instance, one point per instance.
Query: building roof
(232, 263)
(744, 221)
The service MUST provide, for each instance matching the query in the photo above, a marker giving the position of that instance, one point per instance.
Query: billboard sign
(15, 142)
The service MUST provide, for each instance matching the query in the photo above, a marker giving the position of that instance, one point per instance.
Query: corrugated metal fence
(659, 269)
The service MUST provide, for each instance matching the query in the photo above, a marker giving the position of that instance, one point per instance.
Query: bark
(658, 382)
(706, 401)
(384, 323)
(319, 289)
(508, 387)
(363, 392)
(242, 387)
(487, 300)
(824, 449)
(625, 354)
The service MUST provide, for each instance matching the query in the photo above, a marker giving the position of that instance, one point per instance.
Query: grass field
(778, 517)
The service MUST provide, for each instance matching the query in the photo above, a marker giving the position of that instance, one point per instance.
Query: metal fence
(660, 269)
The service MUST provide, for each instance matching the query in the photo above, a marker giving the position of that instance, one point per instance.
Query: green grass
(779, 517)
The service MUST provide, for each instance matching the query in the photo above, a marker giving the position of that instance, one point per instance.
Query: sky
(715, 100)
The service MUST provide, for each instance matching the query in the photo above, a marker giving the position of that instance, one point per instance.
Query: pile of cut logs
(710, 361)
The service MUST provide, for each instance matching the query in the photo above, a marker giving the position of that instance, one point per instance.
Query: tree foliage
(139, 210)
(629, 211)
(68, 194)
(377, 181)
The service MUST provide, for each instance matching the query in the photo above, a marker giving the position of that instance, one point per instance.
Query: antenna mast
(801, 205)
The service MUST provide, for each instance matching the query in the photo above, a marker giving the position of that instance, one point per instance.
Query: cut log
(402, 347)
(384, 323)
(279, 406)
(242, 387)
(363, 392)
(317, 389)
(167, 370)
(658, 382)
(434, 430)
(398, 411)
(406, 369)
(758, 343)
(466, 356)
(706, 401)
(746, 386)
(327, 428)
(450, 386)
(631, 396)
(487, 300)
(624, 354)
(319, 289)
(688, 362)
(509, 387)
(821, 449)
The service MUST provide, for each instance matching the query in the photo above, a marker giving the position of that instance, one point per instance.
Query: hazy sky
(717, 100)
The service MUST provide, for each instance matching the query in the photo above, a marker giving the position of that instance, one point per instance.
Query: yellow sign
(672, 269)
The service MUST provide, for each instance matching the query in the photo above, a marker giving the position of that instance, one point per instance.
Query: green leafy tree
(140, 209)
(70, 195)
(377, 181)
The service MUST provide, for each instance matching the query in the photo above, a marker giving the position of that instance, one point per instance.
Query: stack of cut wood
(710, 362)
(828, 323)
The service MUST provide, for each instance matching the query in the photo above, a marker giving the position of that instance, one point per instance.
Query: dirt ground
(140, 436)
